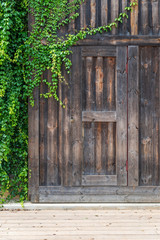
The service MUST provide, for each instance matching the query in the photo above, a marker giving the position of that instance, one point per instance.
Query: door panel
(143, 116)
(103, 109)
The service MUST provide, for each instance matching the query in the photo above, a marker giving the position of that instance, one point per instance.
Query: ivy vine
(23, 59)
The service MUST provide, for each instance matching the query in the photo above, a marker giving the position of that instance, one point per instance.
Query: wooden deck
(80, 224)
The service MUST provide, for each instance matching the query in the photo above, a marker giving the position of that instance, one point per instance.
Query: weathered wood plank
(144, 24)
(133, 116)
(104, 12)
(114, 14)
(155, 17)
(52, 145)
(98, 147)
(43, 133)
(149, 114)
(93, 13)
(89, 98)
(99, 83)
(99, 116)
(121, 151)
(99, 180)
(99, 51)
(134, 19)
(76, 117)
(66, 132)
(120, 41)
(88, 148)
(116, 190)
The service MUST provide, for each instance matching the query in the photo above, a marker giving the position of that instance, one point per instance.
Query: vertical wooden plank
(104, 12)
(144, 26)
(146, 164)
(114, 13)
(93, 13)
(121, 104)
(83, 15)
(149, 116)
(89, 84)
(159, 122)
(134, 19)
(155, 16)
(52, 147)
(89, 152)
(98, 146)
(155, 113)
(60, 132)
(66, 133)
(109, 105)
(99, 106)
(133, 116)
(33, 138)
(76, 117)
(33, 147)
(43, 133)
(99, 83)
(123, 27)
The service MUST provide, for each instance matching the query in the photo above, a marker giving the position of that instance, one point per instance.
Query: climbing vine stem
(23, 60)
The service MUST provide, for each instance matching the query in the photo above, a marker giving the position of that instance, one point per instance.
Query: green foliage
(23, 60)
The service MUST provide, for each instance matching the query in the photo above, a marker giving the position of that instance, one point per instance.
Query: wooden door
(104, 116)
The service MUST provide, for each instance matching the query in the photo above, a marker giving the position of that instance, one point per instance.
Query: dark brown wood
(99, 52)
(43, 132)
(88, 148)
(155, 17)
(98, 116)
(93, 13)
(120, 40)
(134, 19)
(114, 13)
(121, 105)
(33, 147)
(52, 144)
(133, 116)
(66, 134)
(104, 12)
(149, 115)
(76, 117)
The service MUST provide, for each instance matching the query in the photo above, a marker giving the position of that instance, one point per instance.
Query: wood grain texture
(43, 133)
(149, 112)
(76, 116)
(121, 105)
(33, 147)
(104, 12)
(93, 13)
(99, 180)
(133, 116)
(114, 14)
(52, 144)
(99, 116)
(99, 83)
(99, 51)
(134, 19)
